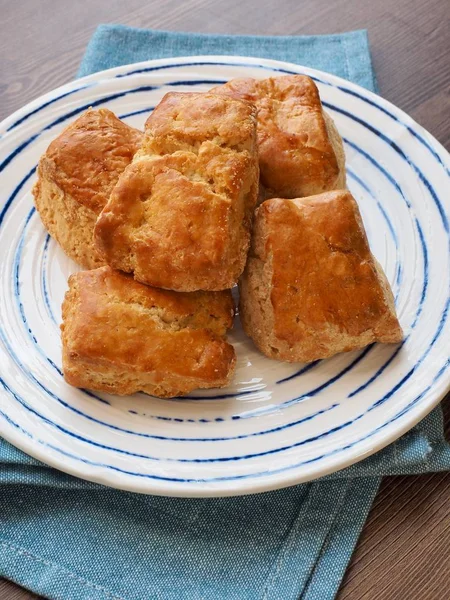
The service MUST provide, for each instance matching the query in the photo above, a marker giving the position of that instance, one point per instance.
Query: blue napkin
(69, 539)
(346, 55)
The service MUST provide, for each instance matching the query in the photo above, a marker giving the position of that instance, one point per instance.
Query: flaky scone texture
(311, 287)
(120, 336)
(179, 217)
(76, 176)
(300, 150)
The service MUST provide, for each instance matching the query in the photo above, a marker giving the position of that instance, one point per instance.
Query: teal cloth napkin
(69, 539)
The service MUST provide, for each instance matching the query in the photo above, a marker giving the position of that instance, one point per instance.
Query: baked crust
(179, 217)
(120, 336)
(75, 178)
(300, 150)
(311, 287)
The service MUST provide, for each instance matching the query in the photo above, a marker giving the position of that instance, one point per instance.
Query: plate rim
(266, 482)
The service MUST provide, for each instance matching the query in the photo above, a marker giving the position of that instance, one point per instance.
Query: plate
(278, 424)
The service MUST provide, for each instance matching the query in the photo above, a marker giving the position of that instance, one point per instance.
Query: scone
(76, 176)
(311, 287)
(179, 217)
(122, 337)
(300, 150)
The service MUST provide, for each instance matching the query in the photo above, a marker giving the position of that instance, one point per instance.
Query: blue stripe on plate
(389, 114)
(78, 436)
(44, 288)
(370, 193)
(143, 111)
(12, 197)
(419, 311)
(400, 152)
(205, 63)
(233, 477)
(48, 103)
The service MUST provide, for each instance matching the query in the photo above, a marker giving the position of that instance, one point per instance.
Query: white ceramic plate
(278, 424)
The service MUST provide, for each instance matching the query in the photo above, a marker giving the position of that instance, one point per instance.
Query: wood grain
(404, 548)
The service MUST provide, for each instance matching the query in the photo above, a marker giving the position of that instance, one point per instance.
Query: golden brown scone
(76, 176)
(120, 336)
(300, 150)
(311, 287)
(179, 217)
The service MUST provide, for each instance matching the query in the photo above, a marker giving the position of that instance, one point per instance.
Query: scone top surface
(87, 158)
(179, 216)
(312, 287)
(121, 336)
(185, 121)
(298, 143)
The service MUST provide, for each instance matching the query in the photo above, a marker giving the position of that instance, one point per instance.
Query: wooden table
(404, 550)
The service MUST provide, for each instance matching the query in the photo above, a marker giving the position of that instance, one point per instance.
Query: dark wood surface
(404, 550)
